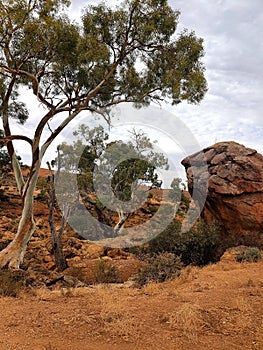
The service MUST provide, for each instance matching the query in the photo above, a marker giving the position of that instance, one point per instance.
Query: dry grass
(188, 320)
(181, 314)
(188, 274)
(115, 315)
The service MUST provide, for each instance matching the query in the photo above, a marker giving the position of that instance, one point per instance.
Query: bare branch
(6, 139)
(34, 79)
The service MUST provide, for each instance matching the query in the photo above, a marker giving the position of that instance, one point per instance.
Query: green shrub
(149, 195)
(199, 246)
(3, 197)
(159, 268)
(153, 209)
(251, 254)
(11, 282)
(105, 272)
(43, 187)
(3, 245)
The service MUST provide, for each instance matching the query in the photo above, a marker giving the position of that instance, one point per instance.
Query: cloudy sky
(232, 109)
(232, 31)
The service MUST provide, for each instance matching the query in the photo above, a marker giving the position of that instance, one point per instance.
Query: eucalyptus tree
(72, 68)
(132, 167)
(124, 165)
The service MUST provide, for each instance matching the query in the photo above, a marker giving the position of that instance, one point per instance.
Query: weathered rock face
(234, 186)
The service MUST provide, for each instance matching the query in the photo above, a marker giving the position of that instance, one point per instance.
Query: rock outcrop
(233, 186)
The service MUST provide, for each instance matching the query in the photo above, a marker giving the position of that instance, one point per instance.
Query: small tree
(56, 237)
(128, 165)
(70, 69)
(177, 194)
(137, 162)
(80, 158)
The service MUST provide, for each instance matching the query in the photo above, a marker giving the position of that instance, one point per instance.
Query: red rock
(232, 181)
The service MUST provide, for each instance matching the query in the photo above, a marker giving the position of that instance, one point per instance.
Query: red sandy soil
(217, 307)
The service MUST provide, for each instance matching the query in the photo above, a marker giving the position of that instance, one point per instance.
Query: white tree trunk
(123, 217)
(12, 256)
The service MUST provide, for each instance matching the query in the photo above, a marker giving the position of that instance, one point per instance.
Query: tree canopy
(125, 54)
(129, 53)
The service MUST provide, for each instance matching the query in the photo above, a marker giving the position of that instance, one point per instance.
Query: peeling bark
(123, 217)
(12, 256)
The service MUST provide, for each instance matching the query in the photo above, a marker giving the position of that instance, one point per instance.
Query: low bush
(3, 197)
(159, 268)
(12, 282)
(199, 246)
(105, 272)
(251, 254)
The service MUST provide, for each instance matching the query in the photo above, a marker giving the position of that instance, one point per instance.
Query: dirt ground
(218, 307)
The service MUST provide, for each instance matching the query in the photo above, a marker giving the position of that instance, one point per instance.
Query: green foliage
(43, 186)
(251, 254)
(105, 272)
(11, 283)
(128, 164)
(3, 197)
(177, 186)
(45, 48)
(159, 268)
(177, 195)
(149, 195)
(199, 246)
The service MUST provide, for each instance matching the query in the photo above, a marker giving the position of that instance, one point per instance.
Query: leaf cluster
(159, 268)
(127, 164)
(199, 246)
(127, 53)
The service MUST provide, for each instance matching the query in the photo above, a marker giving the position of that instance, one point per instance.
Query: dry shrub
(188, 320)
(227, 321)
(105, 272)
(250, 254)
(12, 282)
(244, 318)
(188, 274)
(159, 268)
(152, 288)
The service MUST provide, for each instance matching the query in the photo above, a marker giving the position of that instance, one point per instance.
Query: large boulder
(232, 181)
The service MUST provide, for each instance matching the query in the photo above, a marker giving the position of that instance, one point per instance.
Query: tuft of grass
(50, 347)
(188, 320)
(105, 272)
(115, 317)
(12, 282)
(66, 292)
(251, 254)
